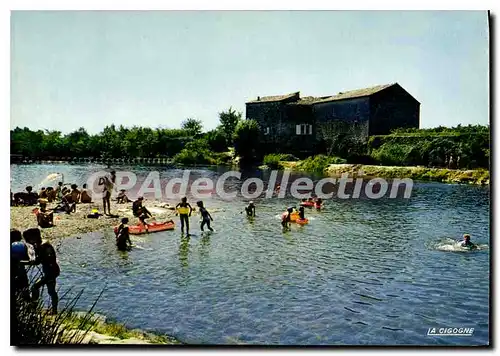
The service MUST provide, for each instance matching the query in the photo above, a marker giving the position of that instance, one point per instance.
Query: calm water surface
(361, 272)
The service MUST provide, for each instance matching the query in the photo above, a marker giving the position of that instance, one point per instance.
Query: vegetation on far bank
(238, 141)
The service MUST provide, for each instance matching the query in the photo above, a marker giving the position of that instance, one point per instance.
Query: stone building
(293, 124)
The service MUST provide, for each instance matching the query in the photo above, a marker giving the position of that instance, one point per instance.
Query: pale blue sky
(92, 69)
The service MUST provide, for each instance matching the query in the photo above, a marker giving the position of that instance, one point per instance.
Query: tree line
(127, 142)
(455, 147)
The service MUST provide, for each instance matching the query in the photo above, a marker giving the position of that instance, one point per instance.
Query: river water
(362, 272)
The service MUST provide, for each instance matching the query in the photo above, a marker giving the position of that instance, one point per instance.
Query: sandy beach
(66, 225)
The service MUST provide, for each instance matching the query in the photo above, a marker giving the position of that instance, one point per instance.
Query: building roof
(358, 93)
(264, 99)
(311, 100)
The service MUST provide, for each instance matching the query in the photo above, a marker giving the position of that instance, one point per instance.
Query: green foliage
(198, 152)
(319, 163)
(228, 121)
(273, 160)
(460, 147)
(33, 325)
(193, 126)
(112, 142)
(216, 140)
(246, 140)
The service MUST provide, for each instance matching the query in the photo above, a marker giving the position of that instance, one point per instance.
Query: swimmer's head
(199, 203)
(184, 199)
(251, 202)
(125, 221)
(466, 237)
(84, 186)
(74, 186)
(289, 209)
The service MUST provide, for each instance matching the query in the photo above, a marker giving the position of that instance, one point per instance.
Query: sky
(72, 69)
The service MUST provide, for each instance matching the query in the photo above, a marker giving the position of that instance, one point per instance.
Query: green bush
(319, 163)
(198, 152)
(273, 160)
(32, 324)
(246, 140)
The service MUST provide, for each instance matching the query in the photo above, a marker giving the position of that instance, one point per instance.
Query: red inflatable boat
(151, 227)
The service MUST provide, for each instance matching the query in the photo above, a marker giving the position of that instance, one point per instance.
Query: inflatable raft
(294, 217)
(307, 204)
(151, 227)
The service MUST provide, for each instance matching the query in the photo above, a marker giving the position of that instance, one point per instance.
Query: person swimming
(184, 210)
(205, 216)
(467, 243)
(250, 209)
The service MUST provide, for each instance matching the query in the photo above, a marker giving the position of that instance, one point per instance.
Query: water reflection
(184, 251)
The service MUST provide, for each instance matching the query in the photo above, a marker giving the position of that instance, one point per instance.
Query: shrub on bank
(319, 163)
(198, 152)
(33, 325)
(273, 160)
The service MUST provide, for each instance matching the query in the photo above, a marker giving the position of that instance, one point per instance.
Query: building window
(303, 129)
(267, 131)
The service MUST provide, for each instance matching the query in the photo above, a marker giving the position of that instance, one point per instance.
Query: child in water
(467, 242)
(302, 213)
(205, 216)
(123, 242)
(319, 203)
(285, 218)
(250, 209)
(184, 210)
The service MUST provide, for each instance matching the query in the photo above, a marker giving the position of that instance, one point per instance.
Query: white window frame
(303, 129)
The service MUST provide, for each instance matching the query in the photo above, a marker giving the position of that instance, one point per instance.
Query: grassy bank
(444, 175)
(98, 330)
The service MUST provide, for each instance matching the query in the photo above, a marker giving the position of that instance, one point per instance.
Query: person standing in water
(123, 242)
(108, 182)
(184, 210)
(205, 216)
(250, 209)
(286, 218)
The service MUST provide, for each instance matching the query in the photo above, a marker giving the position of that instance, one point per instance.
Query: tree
(246, 140)
(216, 140)
(193, 126)
(228, 122)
